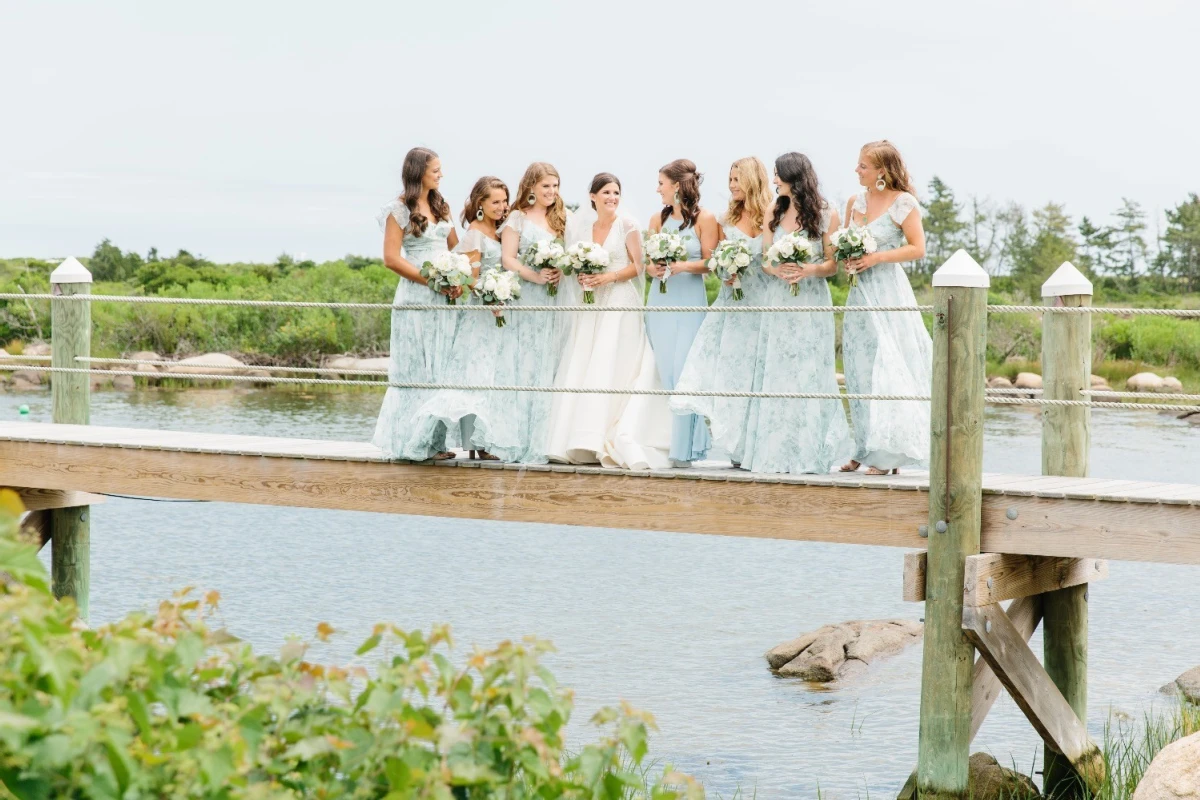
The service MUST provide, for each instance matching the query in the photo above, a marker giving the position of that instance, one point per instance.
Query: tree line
(1027, 247)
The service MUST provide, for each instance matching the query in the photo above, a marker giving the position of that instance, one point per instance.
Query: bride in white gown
(609, 350)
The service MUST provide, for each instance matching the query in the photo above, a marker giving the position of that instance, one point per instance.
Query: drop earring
(676, 200)
(880, 184)
(531, 199)
(479, 214)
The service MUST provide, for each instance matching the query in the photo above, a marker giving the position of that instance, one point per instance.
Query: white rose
(503, 292)
(742, 260)
(725, 261)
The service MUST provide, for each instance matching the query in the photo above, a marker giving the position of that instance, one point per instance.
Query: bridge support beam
(71, 337)
(955, 504)
(1066, 371)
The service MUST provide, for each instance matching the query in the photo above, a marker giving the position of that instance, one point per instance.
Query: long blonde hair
(752, 178)
(556, 214)
(886, 158)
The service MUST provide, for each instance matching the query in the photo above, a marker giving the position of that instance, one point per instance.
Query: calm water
(676, 624)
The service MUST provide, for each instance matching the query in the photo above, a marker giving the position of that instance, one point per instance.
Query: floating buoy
(23, 410)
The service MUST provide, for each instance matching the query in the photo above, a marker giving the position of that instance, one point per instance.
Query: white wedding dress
(609, 350)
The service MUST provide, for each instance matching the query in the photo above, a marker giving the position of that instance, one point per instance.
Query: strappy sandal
(483, 455)
(847, 468)
(445, 455)
(878, 471)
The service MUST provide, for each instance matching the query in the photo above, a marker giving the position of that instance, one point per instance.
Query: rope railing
(470, 387)
(725, 309)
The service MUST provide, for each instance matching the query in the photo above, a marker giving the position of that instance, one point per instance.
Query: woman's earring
(531, 199)
(479, 214)
(676, 201)
(880, 184)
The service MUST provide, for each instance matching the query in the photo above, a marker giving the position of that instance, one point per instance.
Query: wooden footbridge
(976, 539)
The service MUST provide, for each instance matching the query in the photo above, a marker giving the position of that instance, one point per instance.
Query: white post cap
(1066, 281)
(960, 270)
(71, 271)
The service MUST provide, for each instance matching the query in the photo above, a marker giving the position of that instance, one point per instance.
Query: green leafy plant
(166, 705)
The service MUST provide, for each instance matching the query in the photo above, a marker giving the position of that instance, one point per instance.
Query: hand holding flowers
(496, 287)
(663, 249)
(549, 258)
(588, 261)
(850, 245)
(792, 249)
(730, 258)
(447, 274)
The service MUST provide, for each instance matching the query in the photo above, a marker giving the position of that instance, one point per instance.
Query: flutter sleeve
(397, 211)
(515, 222)
(905, 204)
(471, 241)
(827, 215)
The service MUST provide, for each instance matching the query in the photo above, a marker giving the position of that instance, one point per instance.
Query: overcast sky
(243, 129)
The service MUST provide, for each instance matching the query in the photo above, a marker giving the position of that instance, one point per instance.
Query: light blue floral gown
(671, 337)
(538, 340)
(473, 419)
(419, 344)
(796, 354)
(725, 357)
(887, 352)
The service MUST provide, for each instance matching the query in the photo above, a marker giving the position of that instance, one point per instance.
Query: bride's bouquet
(587, 258)
(447, 270)
(496, 287)
(665, 249)
(547, 254)
(852, 242)
(792, 248)
(729, 260)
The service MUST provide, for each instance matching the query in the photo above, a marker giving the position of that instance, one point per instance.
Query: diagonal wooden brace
(1017, 668)
(1025, 614)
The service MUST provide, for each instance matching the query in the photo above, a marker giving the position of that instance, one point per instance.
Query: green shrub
(162, 705)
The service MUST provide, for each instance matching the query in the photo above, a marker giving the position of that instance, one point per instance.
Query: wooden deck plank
(1130, 520)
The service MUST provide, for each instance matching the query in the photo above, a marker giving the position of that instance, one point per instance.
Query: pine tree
(1129, 247)
(1096, 247)
(1051, 244)
(943, 224)
(1181, 242)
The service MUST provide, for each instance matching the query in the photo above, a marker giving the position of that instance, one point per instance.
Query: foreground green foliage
(163, 705)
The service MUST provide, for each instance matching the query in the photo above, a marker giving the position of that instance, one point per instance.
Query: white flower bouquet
(852, 242)
(792, 248)
(729, 260)
(447, 270)
(663, 248)
(496, 287)
(587, 258)
(547, 254)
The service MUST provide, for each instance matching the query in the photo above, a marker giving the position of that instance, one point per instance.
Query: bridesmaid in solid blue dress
(416, 227)
(797, 349)
(538, 214)
(887, 352)
(671, 335)
(724, 356)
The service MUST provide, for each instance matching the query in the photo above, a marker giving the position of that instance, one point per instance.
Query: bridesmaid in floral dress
(538, 214)
(416, 227)
(671, 335)
(886, 352)
(724, 356)
(797, 349)
(477, 418)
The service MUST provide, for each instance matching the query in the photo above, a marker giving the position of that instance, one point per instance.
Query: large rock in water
(221, 365)
(838, 651)
(990, 781)
(1144, 382)
(1187, 685)
(1028, 380)
(1174, 774)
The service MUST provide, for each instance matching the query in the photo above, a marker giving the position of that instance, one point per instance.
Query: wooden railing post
(1066, 370)
(955, 500)
(71, 336)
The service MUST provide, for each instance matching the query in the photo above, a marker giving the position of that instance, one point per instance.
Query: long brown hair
(556, 214)
(752, 178)
(683, 172)
(797, 172)
(479, 193)
(601, 180)
(885, 157)
(413, 175)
